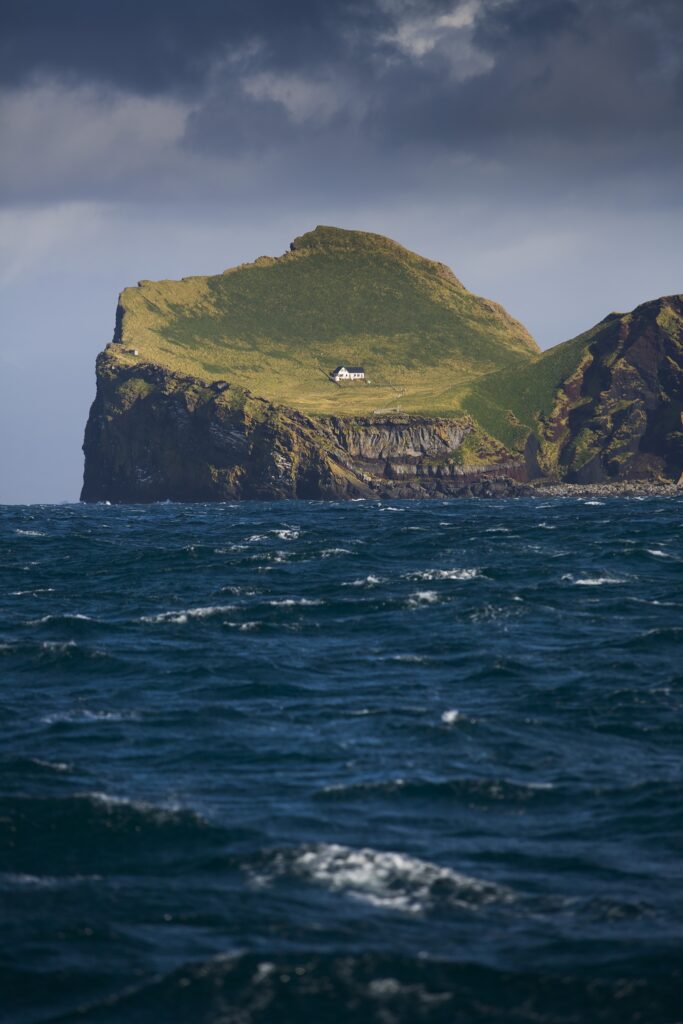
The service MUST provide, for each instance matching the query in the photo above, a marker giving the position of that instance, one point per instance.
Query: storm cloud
(535, 145)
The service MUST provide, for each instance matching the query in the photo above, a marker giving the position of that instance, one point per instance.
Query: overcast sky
(536, 146)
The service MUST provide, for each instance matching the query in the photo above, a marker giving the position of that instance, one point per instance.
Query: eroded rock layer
(153, 435)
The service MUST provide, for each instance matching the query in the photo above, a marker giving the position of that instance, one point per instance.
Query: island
(350, 367)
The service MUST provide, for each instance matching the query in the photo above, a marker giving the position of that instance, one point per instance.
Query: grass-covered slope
(509, 403)
(279, 325)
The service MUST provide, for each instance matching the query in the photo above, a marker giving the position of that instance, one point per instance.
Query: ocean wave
(61, 617)
(30, 533)
(472, 791)
(93, 830)
(381, 987)
(13, 880)
(33, 593)
(592, 581)
(450, 717)
(383, 878)
(183, 615)
(290, 602)
(421, 597)
(170, 813)
(85, 715)
(444, 574)
(366, 581)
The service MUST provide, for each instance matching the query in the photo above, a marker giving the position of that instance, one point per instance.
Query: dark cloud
(164, 45)
(149, 100)
(466, 76)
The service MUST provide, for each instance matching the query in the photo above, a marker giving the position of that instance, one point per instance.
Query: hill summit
(279, 325)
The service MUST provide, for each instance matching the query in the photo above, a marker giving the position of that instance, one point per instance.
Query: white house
(348, 373)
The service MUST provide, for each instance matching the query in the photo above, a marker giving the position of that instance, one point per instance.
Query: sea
(370, 762)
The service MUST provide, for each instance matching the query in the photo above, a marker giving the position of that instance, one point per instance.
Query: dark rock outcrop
(153, 435)
(619, 415)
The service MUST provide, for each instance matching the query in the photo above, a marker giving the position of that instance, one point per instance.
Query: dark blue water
(302, 762)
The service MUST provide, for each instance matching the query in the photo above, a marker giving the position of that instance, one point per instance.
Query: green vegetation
(276, 327)
(508, 403)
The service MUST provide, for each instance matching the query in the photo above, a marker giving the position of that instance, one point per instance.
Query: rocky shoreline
(618, 489)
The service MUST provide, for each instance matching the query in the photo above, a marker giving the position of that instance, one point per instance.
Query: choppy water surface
(301, 762)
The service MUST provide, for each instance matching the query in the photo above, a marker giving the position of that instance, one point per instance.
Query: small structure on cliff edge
(348, 373)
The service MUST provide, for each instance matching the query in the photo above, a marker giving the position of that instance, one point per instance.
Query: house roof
(351, 369)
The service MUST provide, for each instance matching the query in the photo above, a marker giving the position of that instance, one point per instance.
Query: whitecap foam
(55, 766)
(58, 618)
(444, 574)
(14, 879)
(594, 503)
(423, 597)
(450, 717)
(290, 602)
(183, 615)
(85, 715)
(597, 581)
(292, 534)
(30, 533)
(367, 581)
(33, 593)
(158, 813)
(385, 879)
(658, 553)
(331, 552)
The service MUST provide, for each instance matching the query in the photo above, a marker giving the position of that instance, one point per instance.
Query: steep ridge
(606, 405)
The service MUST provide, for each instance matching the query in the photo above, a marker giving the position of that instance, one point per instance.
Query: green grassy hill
(278, 326)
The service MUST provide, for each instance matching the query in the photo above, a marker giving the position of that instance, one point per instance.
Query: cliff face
(619, 414)
(153, 435)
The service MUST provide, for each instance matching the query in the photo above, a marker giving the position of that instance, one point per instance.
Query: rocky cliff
(155, 435)
(619, 415)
